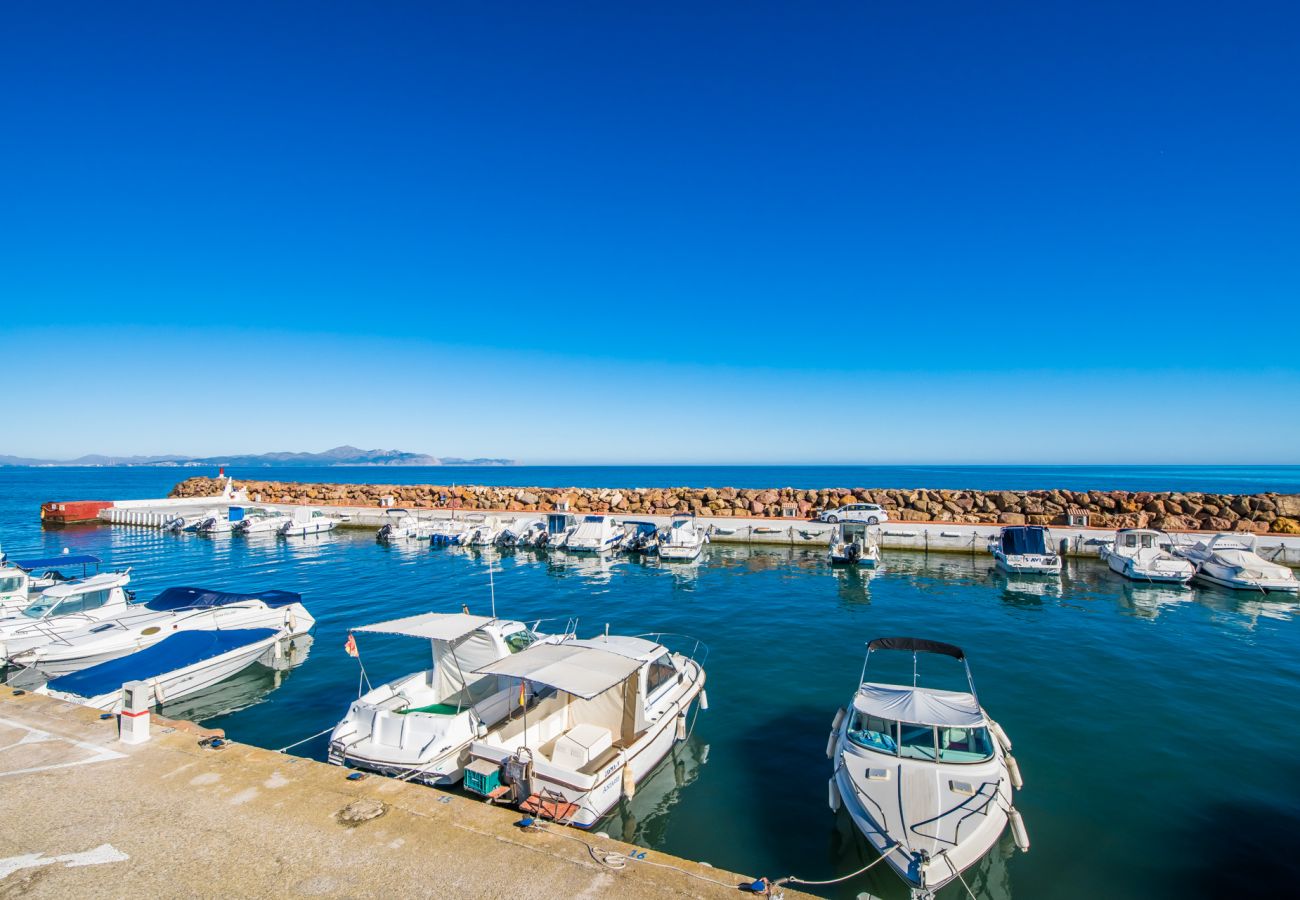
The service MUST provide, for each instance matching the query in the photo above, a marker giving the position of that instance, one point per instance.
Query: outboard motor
(507, 539)
(385, 533)
(853, 552)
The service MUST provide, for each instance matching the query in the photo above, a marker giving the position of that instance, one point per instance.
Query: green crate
(482, 777)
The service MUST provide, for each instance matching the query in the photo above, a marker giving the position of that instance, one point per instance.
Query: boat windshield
(9, 585)
(518, 640)
(946, 744)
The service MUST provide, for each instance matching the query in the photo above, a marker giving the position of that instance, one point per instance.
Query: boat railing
(699, 652)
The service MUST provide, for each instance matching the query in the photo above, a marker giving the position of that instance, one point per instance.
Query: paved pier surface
(84, 815)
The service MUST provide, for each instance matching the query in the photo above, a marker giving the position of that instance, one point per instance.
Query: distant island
(339, 456)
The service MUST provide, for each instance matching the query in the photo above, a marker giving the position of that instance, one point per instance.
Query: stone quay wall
(1169, 511)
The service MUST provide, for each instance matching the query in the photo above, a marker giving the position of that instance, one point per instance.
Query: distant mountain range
(339, 456)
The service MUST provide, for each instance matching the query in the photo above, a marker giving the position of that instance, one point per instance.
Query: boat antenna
(492, 588)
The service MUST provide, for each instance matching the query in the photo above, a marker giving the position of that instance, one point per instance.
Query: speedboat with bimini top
(1230, 560)
(640, 537)
(1025, 550)
(142, 625)
(308, 521)
(64, 609)
(591, 719)
(925, 774)
(594, 534)
(1143, 554)
(854, 544)
(177, 666)
(20, 585)
(420, 726)
(682, 539)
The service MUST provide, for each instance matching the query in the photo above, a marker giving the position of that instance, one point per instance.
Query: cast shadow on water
(1241, 850)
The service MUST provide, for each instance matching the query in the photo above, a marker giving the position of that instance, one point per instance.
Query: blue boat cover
(53, 562)
(1024, 539)
(206, 598)
(185, 648)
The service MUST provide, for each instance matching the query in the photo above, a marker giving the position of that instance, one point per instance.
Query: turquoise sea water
(1154, 726)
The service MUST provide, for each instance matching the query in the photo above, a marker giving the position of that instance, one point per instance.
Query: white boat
(480, 533)
(640, 537)
(560, 526)
(854, 544)
(142, 625)
(189, 523)
(520, 532)
(403, 525)
(591, 720)
(1026, 550)
(20, 584)
(243, 689)
(682, 539)
(220, 523)
(64, 609)
(179, 665)
(1144, 554)
(594, 534)
(419, 727)
(925, 774)
(1230, 560)
(262, 521)
(533, 534)
(445, 532)
(308, 521)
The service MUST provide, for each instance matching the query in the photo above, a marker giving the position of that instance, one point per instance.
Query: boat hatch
(962, 787)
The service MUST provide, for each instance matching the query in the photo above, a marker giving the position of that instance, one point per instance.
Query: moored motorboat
(307, 522)
(420, 726)
(176, 667)
(854, 544)
(1026, 550)
(519, 532)
(403, 525)
(640, 537)
(262, 521)
(594, 534)
(591, 720)
(64, 609)
(682, 539)
(142, 625)
(925, 774)
(1230, 560)
(20, 584)
(1144, 554)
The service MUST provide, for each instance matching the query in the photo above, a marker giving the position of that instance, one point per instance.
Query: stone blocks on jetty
(1169, 511)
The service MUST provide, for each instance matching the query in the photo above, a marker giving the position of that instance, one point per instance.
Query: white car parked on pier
(868, 513)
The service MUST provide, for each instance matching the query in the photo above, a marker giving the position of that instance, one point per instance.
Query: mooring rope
(306, 739)
(793, 879)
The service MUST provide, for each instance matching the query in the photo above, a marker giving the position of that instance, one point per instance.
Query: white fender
(1013, 769)
(681, 727)
(1000, 735)
(1018, 829)
(834, 794)
(704, 700)
(629, 782)
(835, 730)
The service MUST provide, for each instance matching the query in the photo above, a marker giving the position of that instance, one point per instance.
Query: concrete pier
(82, 814)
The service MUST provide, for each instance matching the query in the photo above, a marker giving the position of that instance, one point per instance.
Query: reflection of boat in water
(1146, 600)
(242, 690)
(643, 820)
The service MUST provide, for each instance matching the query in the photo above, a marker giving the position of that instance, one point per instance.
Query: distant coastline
(338, 456)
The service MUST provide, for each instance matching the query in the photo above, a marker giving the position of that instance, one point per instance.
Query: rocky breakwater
(1170, 511)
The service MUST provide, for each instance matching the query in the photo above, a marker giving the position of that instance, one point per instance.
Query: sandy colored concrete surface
(171, 819)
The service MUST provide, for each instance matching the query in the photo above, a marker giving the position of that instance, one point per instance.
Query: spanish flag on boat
(350, 648)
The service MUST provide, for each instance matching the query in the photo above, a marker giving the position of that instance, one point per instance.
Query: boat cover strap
(917, 645)
(184, 648)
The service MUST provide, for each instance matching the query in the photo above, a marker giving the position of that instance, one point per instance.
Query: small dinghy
(925, 774)
(854, 544)
(419, 727)
(262, 521)
(175, 667)
(1026, 550)
(1230, 560)
(307, 522)
(682, 539)
(140, 625)
(590, 720)
(1143, 554)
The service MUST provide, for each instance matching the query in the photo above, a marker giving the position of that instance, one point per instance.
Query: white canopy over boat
(430, 626)
(584, 672)
(919, 706)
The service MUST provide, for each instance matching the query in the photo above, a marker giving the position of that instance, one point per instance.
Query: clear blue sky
(654, 232)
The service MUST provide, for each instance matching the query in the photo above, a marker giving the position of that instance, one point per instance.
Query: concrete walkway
(84, 815)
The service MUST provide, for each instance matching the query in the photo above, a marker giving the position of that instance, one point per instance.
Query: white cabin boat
(1026, 550)
(262, 521)
(220, 523)
(63, 609)
(419, 727)
(1230, 560)
(924, 774)
(594, 534)
(1144, 554)
(20, 584)
(403, 525)
(640, 537)
(682, 539)
(560, 526)
(592, 719)
(308, 521)
(179, 665)
(854, 544)
(520, 532)
(142, 625)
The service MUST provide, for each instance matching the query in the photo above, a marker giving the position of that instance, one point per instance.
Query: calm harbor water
(1154, 726)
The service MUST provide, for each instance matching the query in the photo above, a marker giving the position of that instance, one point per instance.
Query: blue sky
(750, 232)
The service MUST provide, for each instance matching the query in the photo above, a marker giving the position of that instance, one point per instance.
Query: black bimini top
(917, 645)
(175, 598)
